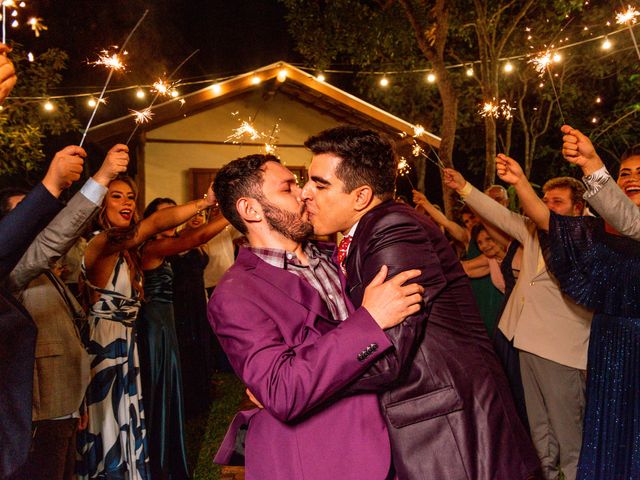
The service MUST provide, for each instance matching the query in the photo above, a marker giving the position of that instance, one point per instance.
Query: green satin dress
(488, 297)
(161, 378)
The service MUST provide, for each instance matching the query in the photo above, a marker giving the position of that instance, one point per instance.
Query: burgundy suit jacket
(282, 343)
(445, 396)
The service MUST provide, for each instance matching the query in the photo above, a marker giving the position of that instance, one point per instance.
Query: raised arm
(7, 73)
(188, 239)
(63, 231)
(487, 208)
(603, 194)
(510, 172)
(456, 231)
(477, 267)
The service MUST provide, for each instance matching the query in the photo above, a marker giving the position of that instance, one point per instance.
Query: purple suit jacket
(445, 396)
(279, 338)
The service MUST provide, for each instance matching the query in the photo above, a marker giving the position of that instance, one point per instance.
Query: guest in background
(115, 445)
(195, 337)
(159, 352)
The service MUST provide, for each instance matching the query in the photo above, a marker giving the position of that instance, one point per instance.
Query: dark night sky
(233, 37)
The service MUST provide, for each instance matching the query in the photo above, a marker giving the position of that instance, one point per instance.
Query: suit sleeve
(291, 380)
(54, 241)
(20, 226)
(509, 222)
(616, 208)
(402, 244)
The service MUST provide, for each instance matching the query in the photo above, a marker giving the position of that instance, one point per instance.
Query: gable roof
(301, 85)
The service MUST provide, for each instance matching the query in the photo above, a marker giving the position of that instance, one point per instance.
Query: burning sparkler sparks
(142, 116)
(404, 169)
(36, 25)
(164, 88)
(541, 62)
(246, 129)
(628, 16)
(496, 110)
(111, 60)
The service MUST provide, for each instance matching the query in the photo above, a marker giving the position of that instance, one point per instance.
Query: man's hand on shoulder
(390, 302)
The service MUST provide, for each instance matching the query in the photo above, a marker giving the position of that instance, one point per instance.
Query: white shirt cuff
(596, 181)
(93, 191)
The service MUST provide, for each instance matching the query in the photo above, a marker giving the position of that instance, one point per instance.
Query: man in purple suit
(282, 319)
(445, 398)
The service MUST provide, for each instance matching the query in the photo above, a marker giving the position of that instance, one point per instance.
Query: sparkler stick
(4, 23)
(148, 114)
(555, 92)
(106, 84)
(541, 64)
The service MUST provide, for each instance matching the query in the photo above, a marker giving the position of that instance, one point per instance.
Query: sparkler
(5, 4)
(629, 18)
(541, 64)
(246, 128)
(159, 87)
(142, 116)
(417, 150)
(404, 169)
(496, 110)
(270, 145)
(110, 59)
(106, 84)
(37, 26)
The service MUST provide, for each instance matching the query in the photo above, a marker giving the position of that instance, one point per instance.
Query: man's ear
(363, 196)
(249, 209)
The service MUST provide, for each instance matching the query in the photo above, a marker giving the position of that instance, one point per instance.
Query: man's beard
(288, 224)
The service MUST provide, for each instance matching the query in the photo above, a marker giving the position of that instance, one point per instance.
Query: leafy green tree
(24, 123)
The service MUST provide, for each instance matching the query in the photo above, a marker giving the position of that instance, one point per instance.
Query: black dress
(195, 337)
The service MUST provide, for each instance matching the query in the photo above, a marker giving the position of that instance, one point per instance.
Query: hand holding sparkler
(508, 170)
(578, 149)
(453, 179)
(7, 73)
(65, 168)
(115, 162)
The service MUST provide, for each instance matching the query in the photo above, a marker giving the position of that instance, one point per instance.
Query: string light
(557, 58)
(216, 88)
(594, 120)
(508, 67)
(431, 78)
(606, 44)
(598, 100)
(282, 75)
(469, 71)
(92, 102)
(175, 93)
(30, 57)
(384, 82)
(255, 80)
(321, 78)
(48, 106)
(140, 93)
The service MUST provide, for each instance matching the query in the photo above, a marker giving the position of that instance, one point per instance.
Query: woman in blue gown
(159, 352)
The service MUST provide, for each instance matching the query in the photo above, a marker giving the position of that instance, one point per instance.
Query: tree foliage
(24, 124)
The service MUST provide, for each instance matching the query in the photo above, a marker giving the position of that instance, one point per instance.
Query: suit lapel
(288, 283)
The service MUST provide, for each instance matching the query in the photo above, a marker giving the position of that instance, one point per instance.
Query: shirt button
(331, 297)
(289, 256)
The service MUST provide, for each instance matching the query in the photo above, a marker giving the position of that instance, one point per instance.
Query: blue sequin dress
(602, 272)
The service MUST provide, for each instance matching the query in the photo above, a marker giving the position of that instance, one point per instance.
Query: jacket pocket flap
(430, 405)
(49, 349)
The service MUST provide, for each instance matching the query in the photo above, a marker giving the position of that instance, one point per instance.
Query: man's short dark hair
(240, 178)
(6, 194)
(368, 158)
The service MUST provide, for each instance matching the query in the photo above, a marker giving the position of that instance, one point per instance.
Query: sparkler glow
(36, 25)
(541, 62)
(246, 129)
(111, 60)
(142, 116)
(628, 16)
(496, 110)
(404, 169)
(106, 83)
(162, 87)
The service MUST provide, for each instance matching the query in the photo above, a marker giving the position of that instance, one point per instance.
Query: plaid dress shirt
(321, 274)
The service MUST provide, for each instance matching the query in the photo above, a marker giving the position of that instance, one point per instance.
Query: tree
(24, 123)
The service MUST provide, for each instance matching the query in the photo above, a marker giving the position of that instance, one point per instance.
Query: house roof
(298, 84)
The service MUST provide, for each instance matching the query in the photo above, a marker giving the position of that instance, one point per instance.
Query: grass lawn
(205, 432)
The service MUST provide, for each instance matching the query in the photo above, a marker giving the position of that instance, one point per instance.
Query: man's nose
(306, 192)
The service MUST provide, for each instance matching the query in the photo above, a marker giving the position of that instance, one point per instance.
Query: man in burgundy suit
(445, 398)
(281, 318)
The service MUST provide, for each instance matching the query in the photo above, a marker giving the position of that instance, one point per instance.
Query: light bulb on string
(216, 88)
(598, 100)
(557, 58)
(321, 78)
(255, 80)
(30, 57)
(140, 93)
(48, 106)
(282, 75)
(606, 44)
(431, 78)
(92, 102)
(384, 82)
(594, 120)
(469, 71)
(175, 93)
(508, 67)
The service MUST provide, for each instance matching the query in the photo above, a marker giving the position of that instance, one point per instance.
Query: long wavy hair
(118, 235)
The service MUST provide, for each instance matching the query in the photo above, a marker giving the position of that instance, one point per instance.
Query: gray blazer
(616, 209)
(61, 372)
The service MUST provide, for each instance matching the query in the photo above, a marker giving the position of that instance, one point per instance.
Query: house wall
(167, 164)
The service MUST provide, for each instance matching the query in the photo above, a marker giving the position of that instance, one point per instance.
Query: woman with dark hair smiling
(159, 355)
(114, 445)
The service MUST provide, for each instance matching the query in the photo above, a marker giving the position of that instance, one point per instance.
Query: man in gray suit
(61, 372)
(607, 198)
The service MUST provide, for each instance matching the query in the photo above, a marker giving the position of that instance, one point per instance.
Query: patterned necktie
(343, 247)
